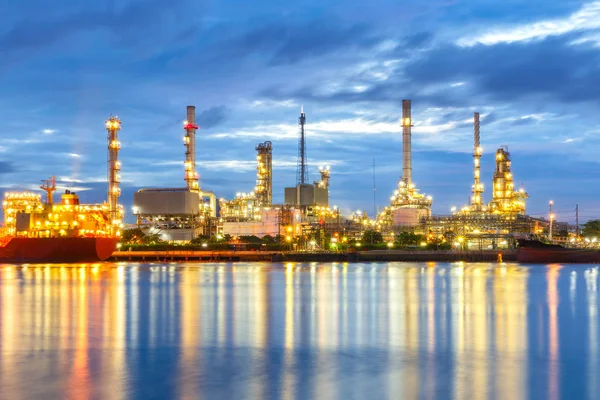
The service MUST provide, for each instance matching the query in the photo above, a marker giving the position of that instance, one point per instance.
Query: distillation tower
(325, 172)
(248, 206)
(264, 174)
(484, 224)
(407, 205)
(113, 125)
(505, 200)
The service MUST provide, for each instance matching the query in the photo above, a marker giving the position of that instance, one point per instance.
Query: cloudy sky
(531, 68)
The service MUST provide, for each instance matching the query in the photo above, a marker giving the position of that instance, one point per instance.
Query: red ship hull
(58, 250)
(559, 255)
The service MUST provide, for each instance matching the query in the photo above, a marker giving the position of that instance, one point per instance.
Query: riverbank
(363, 256)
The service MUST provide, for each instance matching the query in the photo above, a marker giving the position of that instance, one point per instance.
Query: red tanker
(45, 232)
(57, 249)
(535, 252)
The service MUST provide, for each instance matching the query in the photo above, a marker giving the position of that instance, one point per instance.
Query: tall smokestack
(406, 143)
(477, 190)
(189, 140)
(113, 126)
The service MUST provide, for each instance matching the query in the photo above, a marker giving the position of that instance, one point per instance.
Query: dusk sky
(531, 68)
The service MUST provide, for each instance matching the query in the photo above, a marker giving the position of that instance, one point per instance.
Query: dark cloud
(212, 117)
(135, 16)
(6, 167)
(552, 67)
(489, 119)
(318, 38)
(418, 39)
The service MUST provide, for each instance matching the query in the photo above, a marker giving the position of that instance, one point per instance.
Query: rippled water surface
(330, 331)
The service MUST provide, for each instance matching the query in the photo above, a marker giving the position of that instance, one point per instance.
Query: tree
(250, 239)
(372, 237)
(591, 228)
(200, 239)
(268, 239)
(137, 236)
(404, 239)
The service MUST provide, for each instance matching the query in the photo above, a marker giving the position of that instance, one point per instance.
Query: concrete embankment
(364, 256)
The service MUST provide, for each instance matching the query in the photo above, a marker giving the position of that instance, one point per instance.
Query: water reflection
(299, 331)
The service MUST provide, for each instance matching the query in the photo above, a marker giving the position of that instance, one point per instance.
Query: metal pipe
(406, 143)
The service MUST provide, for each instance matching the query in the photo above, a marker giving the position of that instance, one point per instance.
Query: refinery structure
(306, 217)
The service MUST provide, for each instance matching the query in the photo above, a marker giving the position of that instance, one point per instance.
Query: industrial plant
(306, 218)
(179, 214)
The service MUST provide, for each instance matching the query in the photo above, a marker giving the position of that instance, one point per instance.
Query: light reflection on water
(299, 331)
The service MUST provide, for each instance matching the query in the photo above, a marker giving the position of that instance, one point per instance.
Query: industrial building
(178, 214)
(248, 206)
(479, 225)
(407, 206)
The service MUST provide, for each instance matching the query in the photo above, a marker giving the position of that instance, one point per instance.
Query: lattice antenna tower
(302, 171)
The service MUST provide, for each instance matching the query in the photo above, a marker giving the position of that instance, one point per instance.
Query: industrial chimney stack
(477, 190)
(189, 140)
(406, 143)
(113, 126)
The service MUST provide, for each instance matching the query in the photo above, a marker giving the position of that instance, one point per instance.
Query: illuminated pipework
(477, 200)
(325, 175)
(264, 174)
(504, 197)
(189, 141)
(113, 125)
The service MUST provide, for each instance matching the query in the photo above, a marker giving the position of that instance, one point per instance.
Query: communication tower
(302, 172)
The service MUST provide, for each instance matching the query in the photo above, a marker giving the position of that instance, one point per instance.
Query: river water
(327, 331)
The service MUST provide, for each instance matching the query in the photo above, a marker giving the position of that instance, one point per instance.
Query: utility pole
(551, 219)
(577, 220)
(374, 190)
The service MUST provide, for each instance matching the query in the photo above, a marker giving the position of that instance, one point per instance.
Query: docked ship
(38, 231)
(535, 252)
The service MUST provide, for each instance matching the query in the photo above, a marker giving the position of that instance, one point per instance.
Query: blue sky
(532, 69)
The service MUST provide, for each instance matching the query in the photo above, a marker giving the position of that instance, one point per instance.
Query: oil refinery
(305, 219)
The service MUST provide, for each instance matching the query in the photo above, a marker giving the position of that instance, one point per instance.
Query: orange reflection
(553, 384)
